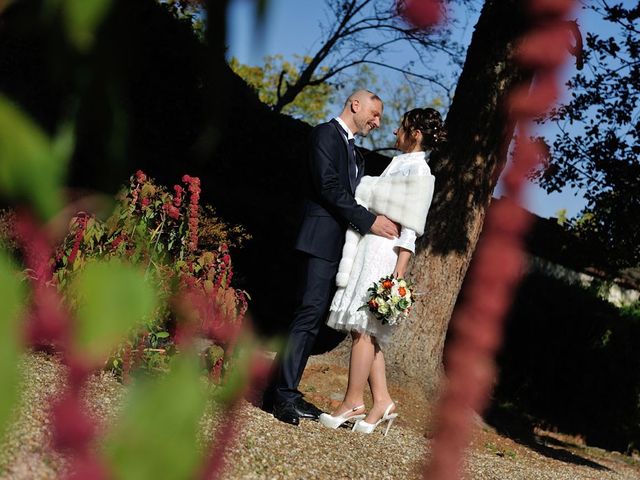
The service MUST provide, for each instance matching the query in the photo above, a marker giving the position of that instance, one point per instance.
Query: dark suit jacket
(330, 206)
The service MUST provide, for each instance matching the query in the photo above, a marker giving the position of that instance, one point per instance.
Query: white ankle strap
(386, 412)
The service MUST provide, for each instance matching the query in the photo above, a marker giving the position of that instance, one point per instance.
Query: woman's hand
(402, 263)
(399, 273)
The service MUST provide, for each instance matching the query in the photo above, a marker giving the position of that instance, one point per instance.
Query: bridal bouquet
(390, 300)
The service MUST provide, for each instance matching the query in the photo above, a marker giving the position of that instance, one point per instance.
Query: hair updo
(429, 122)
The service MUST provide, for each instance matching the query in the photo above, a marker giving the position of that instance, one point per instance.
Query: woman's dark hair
(429, 122)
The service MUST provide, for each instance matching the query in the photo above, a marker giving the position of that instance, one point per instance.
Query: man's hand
(385, 227)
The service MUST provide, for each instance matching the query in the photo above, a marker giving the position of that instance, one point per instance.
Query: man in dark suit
(335, 167)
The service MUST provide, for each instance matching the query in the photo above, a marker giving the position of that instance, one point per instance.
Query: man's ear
(355, 105)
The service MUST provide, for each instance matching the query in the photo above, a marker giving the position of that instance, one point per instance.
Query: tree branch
(278, 90)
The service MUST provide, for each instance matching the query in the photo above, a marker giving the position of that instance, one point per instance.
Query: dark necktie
(353, 176)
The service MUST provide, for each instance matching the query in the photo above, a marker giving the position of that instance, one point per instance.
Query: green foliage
(33, 165)
(11, 308)
(113, 298)
(156, 436)
(192, 12)
(168, 236)
(562, 217)
(238, 377)
(310, 105)
(597, 149)
(632, 311)
(82, 19)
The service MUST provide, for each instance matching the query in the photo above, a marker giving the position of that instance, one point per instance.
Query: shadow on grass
(570, 360)
(520, 428)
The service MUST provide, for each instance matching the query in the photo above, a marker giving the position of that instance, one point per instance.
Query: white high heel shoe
(334, 422)
(364, 427)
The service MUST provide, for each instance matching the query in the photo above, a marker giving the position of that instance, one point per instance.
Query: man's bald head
(362, 112)
(361, 96)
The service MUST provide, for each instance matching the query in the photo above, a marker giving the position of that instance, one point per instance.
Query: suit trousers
(317, 285)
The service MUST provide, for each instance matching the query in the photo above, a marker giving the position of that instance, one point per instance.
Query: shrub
(183, 249)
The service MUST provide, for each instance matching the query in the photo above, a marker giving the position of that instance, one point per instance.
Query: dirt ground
(323, 384)
(265, 448)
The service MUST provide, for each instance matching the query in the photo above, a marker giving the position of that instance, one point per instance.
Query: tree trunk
(466, 172)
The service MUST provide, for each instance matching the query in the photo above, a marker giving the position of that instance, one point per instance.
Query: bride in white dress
(420, 131)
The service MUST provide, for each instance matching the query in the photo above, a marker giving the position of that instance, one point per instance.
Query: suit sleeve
(326, 181)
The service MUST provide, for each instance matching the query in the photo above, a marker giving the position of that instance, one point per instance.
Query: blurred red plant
(477, 322)
(421, 13)
(216, 308)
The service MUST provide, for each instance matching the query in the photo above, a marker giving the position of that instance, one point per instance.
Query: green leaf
(157, 434)
(237, 376)
(32, 166)
(82, 19)
(113, 298)
(11, 308)
(162, 334)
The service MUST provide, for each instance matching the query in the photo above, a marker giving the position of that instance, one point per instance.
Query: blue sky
(293, 27)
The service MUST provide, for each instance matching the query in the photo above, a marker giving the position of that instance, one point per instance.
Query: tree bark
(466, 172)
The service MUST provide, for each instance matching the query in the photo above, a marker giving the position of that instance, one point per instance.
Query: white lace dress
(376, 256)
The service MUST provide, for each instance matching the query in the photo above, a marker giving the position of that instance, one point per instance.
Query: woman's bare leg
(378, 384)
(362, 354)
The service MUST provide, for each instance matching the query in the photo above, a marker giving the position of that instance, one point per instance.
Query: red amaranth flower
(177, 199)
(216, 371)
(117, 241)
(81, 221)
(557, 8)
(421, 13)
(72, 427)
(134, 197)
(244, 304)
(140, 176)
(87, 466)
(194, 199)
(145, 202)
(172, 211)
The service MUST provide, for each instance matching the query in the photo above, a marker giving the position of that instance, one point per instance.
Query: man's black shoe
(306, 409)
(287, 413)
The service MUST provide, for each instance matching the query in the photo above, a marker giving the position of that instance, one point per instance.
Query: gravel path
(268, 449)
